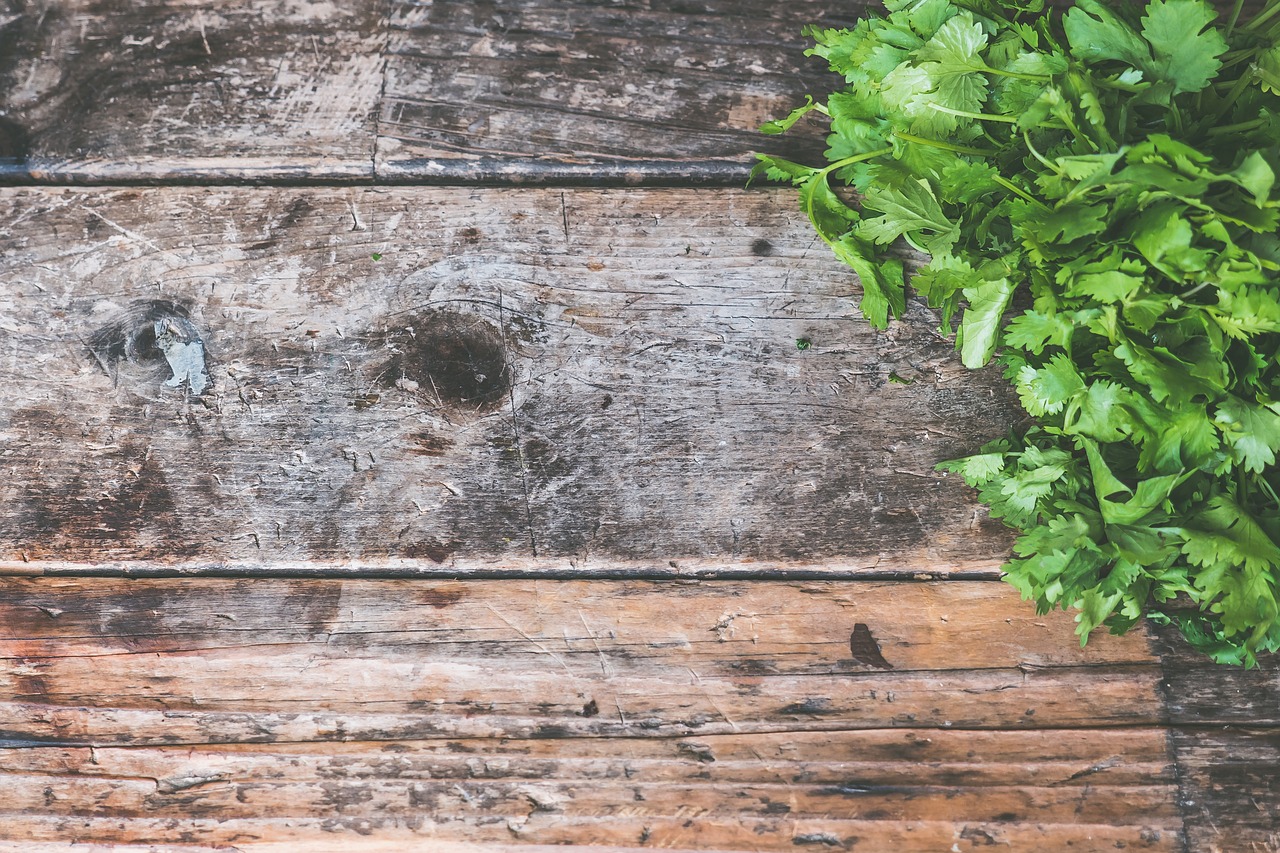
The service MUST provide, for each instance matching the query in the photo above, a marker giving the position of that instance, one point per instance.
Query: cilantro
(1112, 172)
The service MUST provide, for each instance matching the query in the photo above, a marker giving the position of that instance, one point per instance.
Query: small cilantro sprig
(1096, 192)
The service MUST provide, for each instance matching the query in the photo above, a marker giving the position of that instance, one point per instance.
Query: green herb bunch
(1096, 192)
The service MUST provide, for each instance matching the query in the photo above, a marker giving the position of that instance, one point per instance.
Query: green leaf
(778, 169)
(1150, 494)
(1252, 430)
(956, 46)
(1186, 53)
(883, 288)
(1033, 331)
(1096, 34)
(1106, 287)
(1047, 390)
(980, 328)
(1255, 175)
(977, 469)
(1266, 69)
(782, 125)
(1106, 412)
(830, 216)
(910, 209)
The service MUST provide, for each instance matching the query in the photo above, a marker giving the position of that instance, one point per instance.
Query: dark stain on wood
(825, 839)
(428, 443)
(122, 84)
(14, 144)
(436, 597)
(293, 215)
(1199, 691)
(118, 500)
(810, 707)
(865, 649)
(699, 751)
(455, 358)
(431, 548)
(1229, 787)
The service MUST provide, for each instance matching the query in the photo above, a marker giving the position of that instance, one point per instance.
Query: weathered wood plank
(547, 90)
(169, 90)
(1230, 792)
(710, 715)
(219, 661)
(1200, 692)
(1226, 746)
(559, 833)
(521, 90)
(442, 381)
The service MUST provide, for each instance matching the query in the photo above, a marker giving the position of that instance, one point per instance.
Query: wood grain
(170, 90)
(436, 381)
(1230, 793)
(1200, 692)
(543, 90)
(513, 91)
(707, 715)
(168, 662)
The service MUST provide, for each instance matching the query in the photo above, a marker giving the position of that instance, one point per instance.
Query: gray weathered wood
(1200, 692)
(520, 90)
(458, 381)
(713, 715)
(1230, 791)
(167, 90)
(1226, 746)
(636, 91)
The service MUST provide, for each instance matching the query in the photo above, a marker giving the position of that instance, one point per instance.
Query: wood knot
(457, 359)
(159, 334)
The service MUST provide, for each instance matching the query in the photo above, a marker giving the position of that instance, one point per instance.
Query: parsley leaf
(1112, 172)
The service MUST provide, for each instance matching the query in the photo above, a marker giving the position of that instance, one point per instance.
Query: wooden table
(543, 487)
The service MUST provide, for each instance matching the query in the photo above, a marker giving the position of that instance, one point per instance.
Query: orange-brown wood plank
(714, 715)
(224, 661)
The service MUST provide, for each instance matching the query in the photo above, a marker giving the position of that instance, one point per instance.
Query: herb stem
(1235, 16)
(1268, 12)
(1236, 91)
(1034, 78)
(856, 158)
(1187, 294)
(1233, 128)
(977, 116)
(945, 146)
(1019, 191)
(1053, 167)
(1266, 487)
